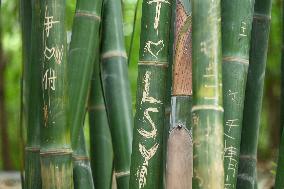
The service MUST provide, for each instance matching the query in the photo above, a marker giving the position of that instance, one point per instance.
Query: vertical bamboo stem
(116, 87)
(32, 91)
(147, 147)
(207, 109)
(236, 32)
(56, 153)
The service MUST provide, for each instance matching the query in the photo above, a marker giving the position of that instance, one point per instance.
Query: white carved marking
(154, 48)
(153, 132)
(55, 52)
(49, 79)
(147, 155)
(145, 96)
(48, 22)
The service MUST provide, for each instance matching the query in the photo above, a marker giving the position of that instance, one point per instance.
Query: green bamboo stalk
(247, 177)
(207, 110)
(81, 163)
(55, 152)
(236, 32)
(81, 60)
(32, 87)
(101, 143)
(179, 155)
(116, 88)
(147, 147)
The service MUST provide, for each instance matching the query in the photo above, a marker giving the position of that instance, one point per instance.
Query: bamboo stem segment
(55, 152)
(207, 110)
(236, 32)
(147, 147)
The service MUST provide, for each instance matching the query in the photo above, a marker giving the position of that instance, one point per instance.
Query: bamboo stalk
(81, 60)
(116, 88)
(82, 168)
(101, 143)
(236, 32)
(147, 147)
(179, 155)
(32, 90)
(207, 109)
(247, 176)
(55, 153)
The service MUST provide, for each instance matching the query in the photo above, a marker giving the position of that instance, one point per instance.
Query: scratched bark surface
(247, 177)
(179, 152)
(55, 152)
(100, 138)
(84, 42)
(207, 110)
(116, 87)
(32, 88)
(236, 32)
(147, 147)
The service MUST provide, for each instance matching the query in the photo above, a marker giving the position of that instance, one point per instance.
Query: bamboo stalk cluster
(199, 93)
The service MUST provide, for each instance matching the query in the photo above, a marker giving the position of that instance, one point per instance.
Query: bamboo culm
(247, 174)
(100, 137)
(236, 32)
(116, 87)
(207, 108)
(32, 88)
(55, 151)
(147, 147)
(179, 154)
(81, 60)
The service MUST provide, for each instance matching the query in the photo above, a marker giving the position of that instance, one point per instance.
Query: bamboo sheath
(32, 87)
(247, 178)
(116, 88)
(179, 154)
(236, 32)
(100, 137)
(55, 152)
(147, 147)
(207, 110)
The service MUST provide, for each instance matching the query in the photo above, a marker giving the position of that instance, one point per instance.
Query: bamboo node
(122, 174)
(112, 54)
(81, 13)
(80, 158)
(153, 63)
(235, 59)
(32, 149)
(261, 16)
(56, 152)
(207, 107)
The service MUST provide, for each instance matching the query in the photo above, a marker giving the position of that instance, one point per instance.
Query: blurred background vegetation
(10, 138)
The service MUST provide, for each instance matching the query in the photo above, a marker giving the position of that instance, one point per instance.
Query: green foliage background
(11, 36)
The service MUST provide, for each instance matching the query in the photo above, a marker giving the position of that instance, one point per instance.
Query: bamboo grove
(198, 99)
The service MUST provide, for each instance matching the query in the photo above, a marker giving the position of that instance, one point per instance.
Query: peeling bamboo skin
(236, 32)
(101, 143)
(247, 178)
(207, 110)
(34, 101)
(180, 151)
(147, 146)
(81, 60)
(55, 134)
(116, 87)
(82, 172)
